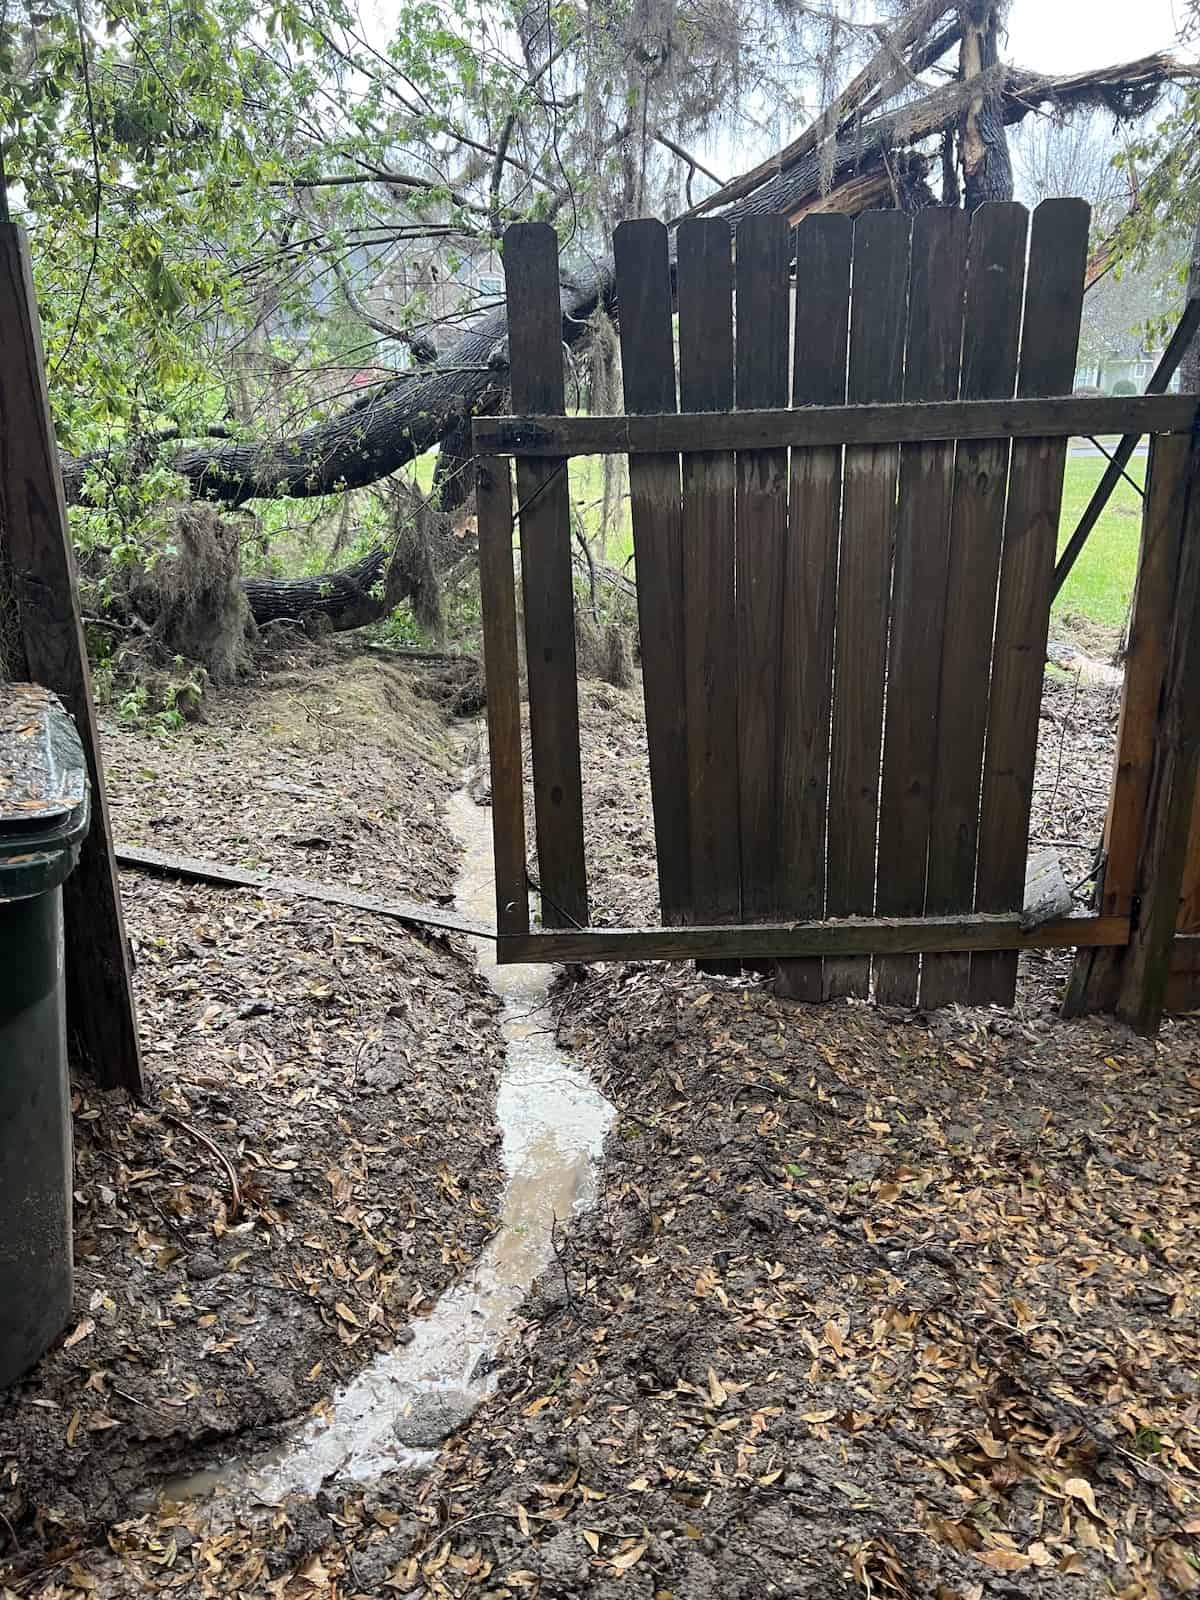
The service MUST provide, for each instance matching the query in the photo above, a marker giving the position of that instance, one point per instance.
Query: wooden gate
(844, 523)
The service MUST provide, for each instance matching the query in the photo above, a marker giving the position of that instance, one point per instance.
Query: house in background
(1128, 318)
(438, 285)
(1135, 364)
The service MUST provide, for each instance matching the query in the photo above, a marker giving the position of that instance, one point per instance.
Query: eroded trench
(553, 1122)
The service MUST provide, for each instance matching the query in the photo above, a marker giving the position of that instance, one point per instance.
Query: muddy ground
(316, 1157)
(872, 1303)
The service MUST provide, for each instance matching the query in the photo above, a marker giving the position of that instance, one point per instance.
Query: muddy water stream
(553, 1123)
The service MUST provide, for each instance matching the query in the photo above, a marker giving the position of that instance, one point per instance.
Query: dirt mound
(334, 768)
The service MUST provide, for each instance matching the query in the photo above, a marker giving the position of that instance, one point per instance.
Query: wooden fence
(844, 527)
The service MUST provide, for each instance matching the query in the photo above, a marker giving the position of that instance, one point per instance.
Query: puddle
(396, 1412)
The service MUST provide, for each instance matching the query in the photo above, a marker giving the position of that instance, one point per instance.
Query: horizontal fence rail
(690, 432)
(844, 936)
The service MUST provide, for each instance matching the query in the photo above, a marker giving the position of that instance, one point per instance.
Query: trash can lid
(44, 791)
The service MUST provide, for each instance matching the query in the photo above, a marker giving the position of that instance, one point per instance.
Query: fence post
(1146, 968)
(1096, 973)
(50, 648)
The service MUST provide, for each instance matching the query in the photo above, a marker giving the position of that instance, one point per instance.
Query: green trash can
(43, 819)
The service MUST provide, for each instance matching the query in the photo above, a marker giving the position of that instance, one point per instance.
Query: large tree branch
(914, 26)
(410, 414)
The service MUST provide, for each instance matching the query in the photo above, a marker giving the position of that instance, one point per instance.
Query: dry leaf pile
(317, 1158)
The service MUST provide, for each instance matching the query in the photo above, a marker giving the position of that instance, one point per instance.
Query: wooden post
(535, 350)
(1146, 970)
(50, 650)
(497, 591)
(1096, 974)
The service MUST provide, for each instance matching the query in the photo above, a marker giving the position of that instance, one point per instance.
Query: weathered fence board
(935, 317)
(843, 654)
(875, 372)
(992, 319)
(648, 369)
(1096, 974)
(1049, 344)
(846, 937)
(704, 275)
(814, 513)
(1146, 970)
(1093, 984)
(891, 423)
(493, 500)
(535, 348)
(41, 564)
(762, 255)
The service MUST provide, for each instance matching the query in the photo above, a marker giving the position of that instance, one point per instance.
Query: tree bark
(982, 144)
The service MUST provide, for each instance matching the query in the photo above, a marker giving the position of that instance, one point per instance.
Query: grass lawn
(1101, 582)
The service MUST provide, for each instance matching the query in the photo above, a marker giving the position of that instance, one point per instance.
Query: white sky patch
(1072, 35)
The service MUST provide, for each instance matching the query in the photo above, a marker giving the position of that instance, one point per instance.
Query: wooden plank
(1183, 986)
(931, 372)
(1189, 892)
(1171, 357)
(860, 424)
(41, 567)
(704, 279)
(648, 366)
(1145, 666)
(535, 353)
(844, 938)
(763, 250)
(822, 251)
(1049, 345)
(198, 869)
(875, 372)
(994, 284)
(1093, 982)
(1145, 972)
(493, 501)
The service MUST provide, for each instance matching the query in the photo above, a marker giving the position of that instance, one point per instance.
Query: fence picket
(762, 251)
(544, 513)
(704, 279)
(1049, 344)
(931, 372)
(994, 286)
(875, 372)
(648, 370)
(810, 574)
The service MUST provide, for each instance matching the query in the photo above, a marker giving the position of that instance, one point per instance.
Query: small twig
(202, 1138)
(132, 1398)
(562, 1265)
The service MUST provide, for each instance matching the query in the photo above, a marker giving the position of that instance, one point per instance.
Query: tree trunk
(982, 144)
(413, 412)
(347, 599)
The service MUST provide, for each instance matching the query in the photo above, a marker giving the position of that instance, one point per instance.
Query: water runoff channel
(553, 1121)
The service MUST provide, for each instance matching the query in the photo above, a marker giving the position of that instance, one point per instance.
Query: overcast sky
(1062, 35)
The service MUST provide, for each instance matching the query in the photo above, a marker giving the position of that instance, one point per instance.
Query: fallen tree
(870, 149)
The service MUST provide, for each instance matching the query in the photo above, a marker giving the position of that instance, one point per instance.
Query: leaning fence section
(846, 446)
